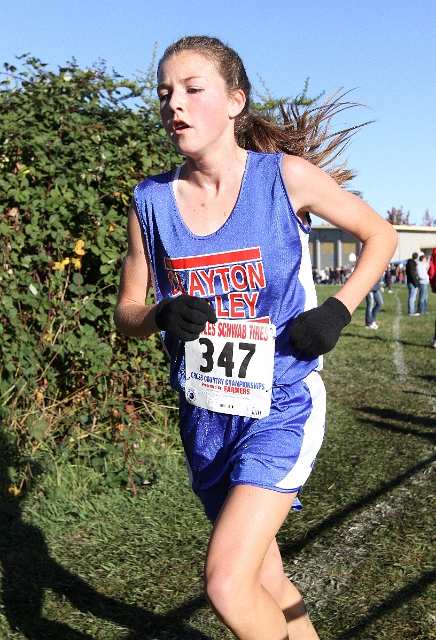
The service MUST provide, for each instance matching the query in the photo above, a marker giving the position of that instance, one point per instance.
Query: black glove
(318, 330)
(185, 316)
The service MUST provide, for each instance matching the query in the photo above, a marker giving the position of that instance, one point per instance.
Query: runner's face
(195, 106)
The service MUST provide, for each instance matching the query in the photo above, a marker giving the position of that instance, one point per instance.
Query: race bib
(229, 368)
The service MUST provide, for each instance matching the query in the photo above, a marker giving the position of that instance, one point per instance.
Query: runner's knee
(227, 590)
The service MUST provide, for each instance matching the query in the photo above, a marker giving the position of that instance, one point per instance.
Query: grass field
(81, 563)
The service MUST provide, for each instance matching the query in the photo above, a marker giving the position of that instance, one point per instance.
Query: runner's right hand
(185, 316)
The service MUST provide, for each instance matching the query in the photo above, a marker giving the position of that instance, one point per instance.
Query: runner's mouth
(179, 126)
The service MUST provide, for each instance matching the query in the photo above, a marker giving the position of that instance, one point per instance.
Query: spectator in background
(388, 279)
(343, 276)
(412, 283)
(423, 281)
(399, 273)
(432, 279)
(374, 302)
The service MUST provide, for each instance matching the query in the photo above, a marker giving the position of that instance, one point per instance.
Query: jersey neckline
(174, 175)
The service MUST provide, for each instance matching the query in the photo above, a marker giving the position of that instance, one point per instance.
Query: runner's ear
(237, 102)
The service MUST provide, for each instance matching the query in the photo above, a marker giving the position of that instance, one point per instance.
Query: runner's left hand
(317, 330)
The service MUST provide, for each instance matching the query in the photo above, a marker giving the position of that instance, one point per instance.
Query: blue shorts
(276, 452)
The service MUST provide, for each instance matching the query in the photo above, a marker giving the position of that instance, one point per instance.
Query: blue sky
(384, 49)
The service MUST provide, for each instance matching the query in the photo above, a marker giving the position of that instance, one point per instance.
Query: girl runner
(224, 240)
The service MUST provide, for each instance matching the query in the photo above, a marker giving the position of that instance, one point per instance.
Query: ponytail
(305, 134)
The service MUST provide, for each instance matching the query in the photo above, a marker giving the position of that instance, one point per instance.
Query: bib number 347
(229, 368)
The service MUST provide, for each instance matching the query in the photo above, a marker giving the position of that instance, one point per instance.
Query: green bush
(71, 152)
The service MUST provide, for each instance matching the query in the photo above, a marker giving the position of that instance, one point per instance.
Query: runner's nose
(176, 102)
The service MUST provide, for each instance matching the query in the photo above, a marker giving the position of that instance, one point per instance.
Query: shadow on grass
(395, 601)
(428, 378)
(369, 335)
(376, 336)
(418, 345)
(28, 571)
(294, 547)
(386, 415)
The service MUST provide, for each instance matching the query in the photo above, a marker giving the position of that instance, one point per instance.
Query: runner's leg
(286, 595)
(242, 550)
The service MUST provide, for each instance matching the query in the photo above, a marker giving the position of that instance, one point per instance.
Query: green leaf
(39, 429)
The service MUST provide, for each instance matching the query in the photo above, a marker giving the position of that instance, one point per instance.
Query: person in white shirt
(423, 282)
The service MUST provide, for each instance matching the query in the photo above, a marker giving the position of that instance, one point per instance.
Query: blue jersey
(255, 267)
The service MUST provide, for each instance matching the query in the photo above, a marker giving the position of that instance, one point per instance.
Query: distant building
(331, 247)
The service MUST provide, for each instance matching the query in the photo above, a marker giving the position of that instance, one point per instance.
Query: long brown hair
(303, 133)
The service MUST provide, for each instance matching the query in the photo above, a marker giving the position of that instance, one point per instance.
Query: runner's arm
(132, 316)
(312, 190)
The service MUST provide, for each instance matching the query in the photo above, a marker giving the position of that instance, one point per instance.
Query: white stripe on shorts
(313, 435)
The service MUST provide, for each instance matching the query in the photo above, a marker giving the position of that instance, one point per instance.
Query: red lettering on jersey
(237, 306)
(240, 273)
(176, 283)
(250, 300)
(220, 311)
(195, 284)
(256, 278)
(208, 277)
(223, 273)
(238, 277)
(209, 329)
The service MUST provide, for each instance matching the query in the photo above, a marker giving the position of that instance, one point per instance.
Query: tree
(428, 220)
(270, 106)
(398, 216)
